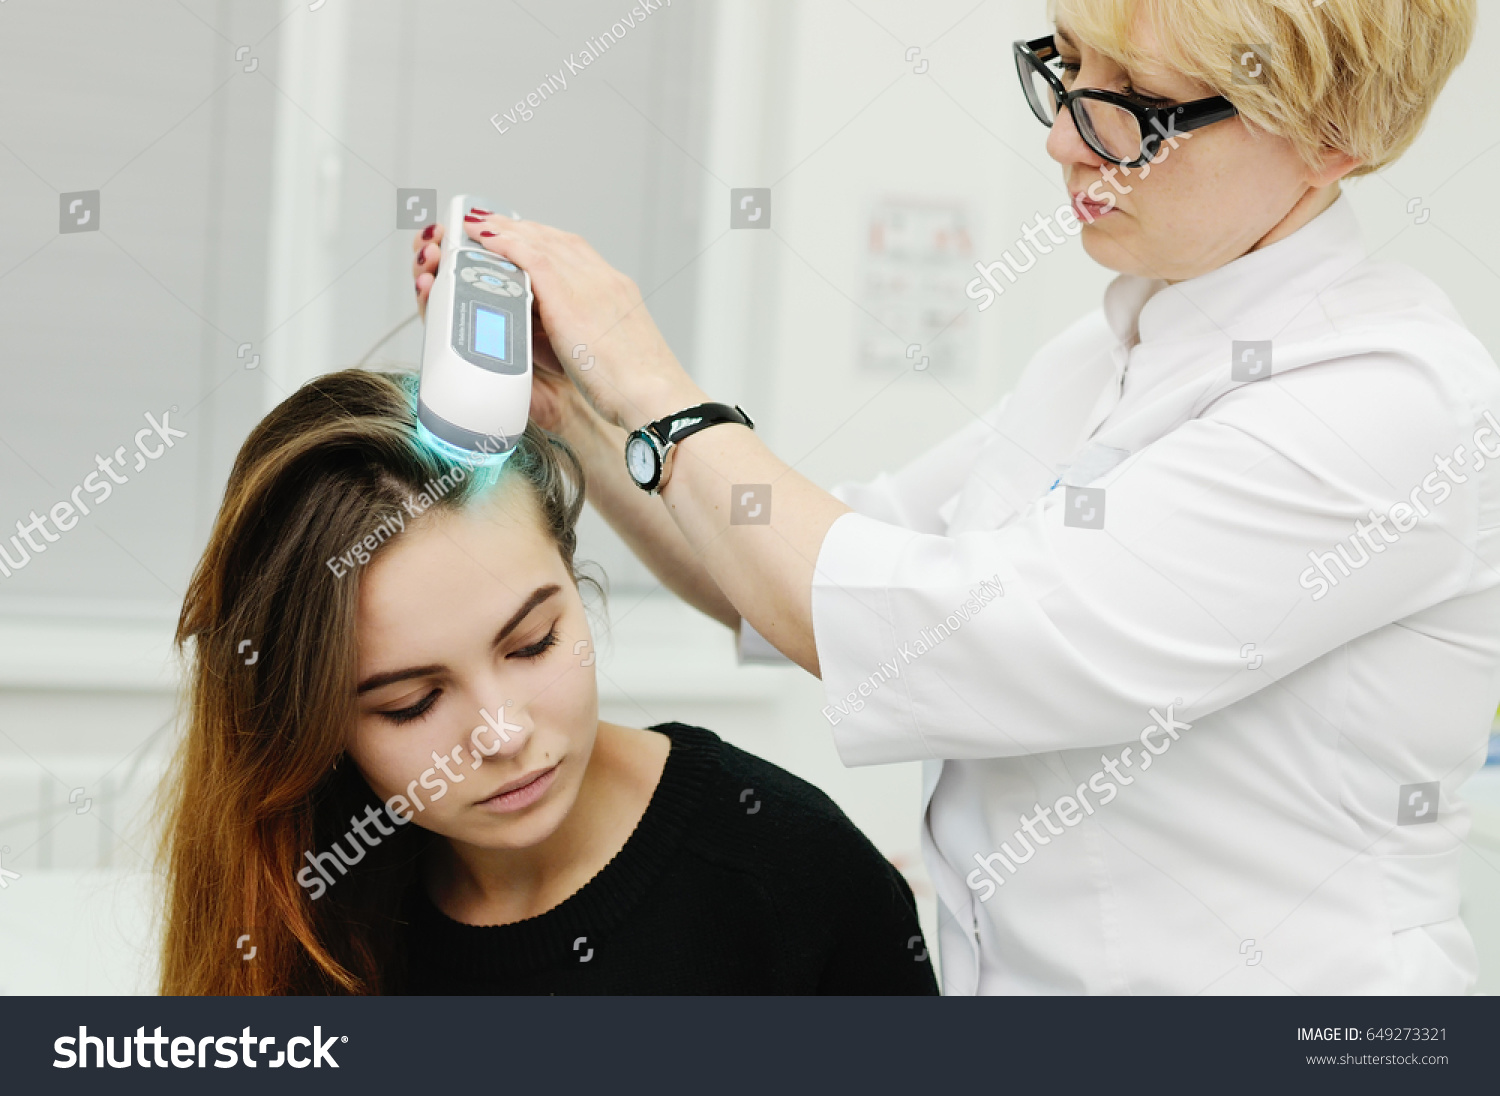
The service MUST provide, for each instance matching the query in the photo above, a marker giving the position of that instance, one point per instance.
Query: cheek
(568, 701)
(391, 758)
(1222, 179)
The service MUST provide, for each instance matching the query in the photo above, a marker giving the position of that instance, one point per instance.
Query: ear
(1335, 165)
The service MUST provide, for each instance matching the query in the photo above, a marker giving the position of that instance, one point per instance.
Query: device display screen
(489, 334)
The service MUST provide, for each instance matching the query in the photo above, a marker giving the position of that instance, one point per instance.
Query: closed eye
(1071, 69)
(537, 649)
(416, 711)
(1144, 100)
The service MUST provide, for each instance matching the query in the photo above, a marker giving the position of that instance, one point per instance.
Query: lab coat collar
(1289, 274)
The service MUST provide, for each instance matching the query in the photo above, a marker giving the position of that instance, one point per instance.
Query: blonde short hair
(1358, 76)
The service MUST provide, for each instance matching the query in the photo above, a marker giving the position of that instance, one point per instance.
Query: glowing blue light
(468, 457)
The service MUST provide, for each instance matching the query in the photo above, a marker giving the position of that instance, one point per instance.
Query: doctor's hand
(596, 320)
(556, 405)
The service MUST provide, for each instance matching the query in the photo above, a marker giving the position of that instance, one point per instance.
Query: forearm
(765, 570)
(643, 523)
(761, 572)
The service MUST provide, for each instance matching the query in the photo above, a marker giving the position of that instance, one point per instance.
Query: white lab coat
(1254, 842)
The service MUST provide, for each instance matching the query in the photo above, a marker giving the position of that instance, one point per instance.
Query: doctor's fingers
(540, 249)
(432, 234)
(578, 294)
(424, 284)
(425, 263)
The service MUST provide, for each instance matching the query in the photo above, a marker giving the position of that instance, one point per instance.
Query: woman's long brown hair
(268, 629)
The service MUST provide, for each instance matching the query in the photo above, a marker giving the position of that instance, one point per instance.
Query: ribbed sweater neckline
(602, 903)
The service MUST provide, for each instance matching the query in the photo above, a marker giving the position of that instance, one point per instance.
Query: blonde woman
(1245, 518)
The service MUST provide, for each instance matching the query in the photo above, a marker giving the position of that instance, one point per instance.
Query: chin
(1102, 247)
(526, 828)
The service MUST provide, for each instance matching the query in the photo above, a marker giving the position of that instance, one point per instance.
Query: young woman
(407, 788)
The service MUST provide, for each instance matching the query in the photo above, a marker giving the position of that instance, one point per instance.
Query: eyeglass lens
(1108, 129)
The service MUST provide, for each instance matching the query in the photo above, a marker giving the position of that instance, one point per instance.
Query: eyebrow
(1061, 36)
(539, 595)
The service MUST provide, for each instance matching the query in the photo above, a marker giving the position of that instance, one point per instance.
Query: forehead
(1139, 47)
(452, 578)
(1140, 54)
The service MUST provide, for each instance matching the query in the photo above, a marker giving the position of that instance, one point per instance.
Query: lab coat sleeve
(913, 496)
(1202, 564)
(910, 498)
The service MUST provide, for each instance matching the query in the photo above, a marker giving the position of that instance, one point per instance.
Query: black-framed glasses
(1118, 128)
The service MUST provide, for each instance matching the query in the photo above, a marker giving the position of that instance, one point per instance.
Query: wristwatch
(649, 450)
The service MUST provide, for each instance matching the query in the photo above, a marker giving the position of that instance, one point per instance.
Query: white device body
(475, 391)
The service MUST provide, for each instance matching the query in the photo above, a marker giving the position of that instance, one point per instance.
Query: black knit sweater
(739, 878)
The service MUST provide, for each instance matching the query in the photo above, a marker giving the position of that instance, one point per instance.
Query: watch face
(640, 459)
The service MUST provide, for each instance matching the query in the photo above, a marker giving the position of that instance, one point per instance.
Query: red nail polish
(486, 233)
(470, 217)
(421, 256)
(427, 232)
(476, 209)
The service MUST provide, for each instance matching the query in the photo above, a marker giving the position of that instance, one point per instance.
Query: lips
(520, 794)
(518, 783)
(1089, 210)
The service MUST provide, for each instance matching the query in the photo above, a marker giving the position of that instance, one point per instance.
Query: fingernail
(421, 256)
(486, 233)
(427, 232)
(476, 209)
(471, 217)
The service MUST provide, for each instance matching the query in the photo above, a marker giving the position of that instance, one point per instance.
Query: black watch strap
(685, 424)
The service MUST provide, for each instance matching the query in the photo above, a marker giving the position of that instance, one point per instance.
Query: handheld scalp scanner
(475, 391)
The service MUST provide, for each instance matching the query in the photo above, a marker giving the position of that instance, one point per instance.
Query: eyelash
(1143, 100)
(423, 706)
(416, 711)
(537, 649)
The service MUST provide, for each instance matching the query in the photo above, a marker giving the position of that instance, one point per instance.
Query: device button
(486, 257)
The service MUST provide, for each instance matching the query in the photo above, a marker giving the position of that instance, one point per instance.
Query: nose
(1067, 146)
(502, 735)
